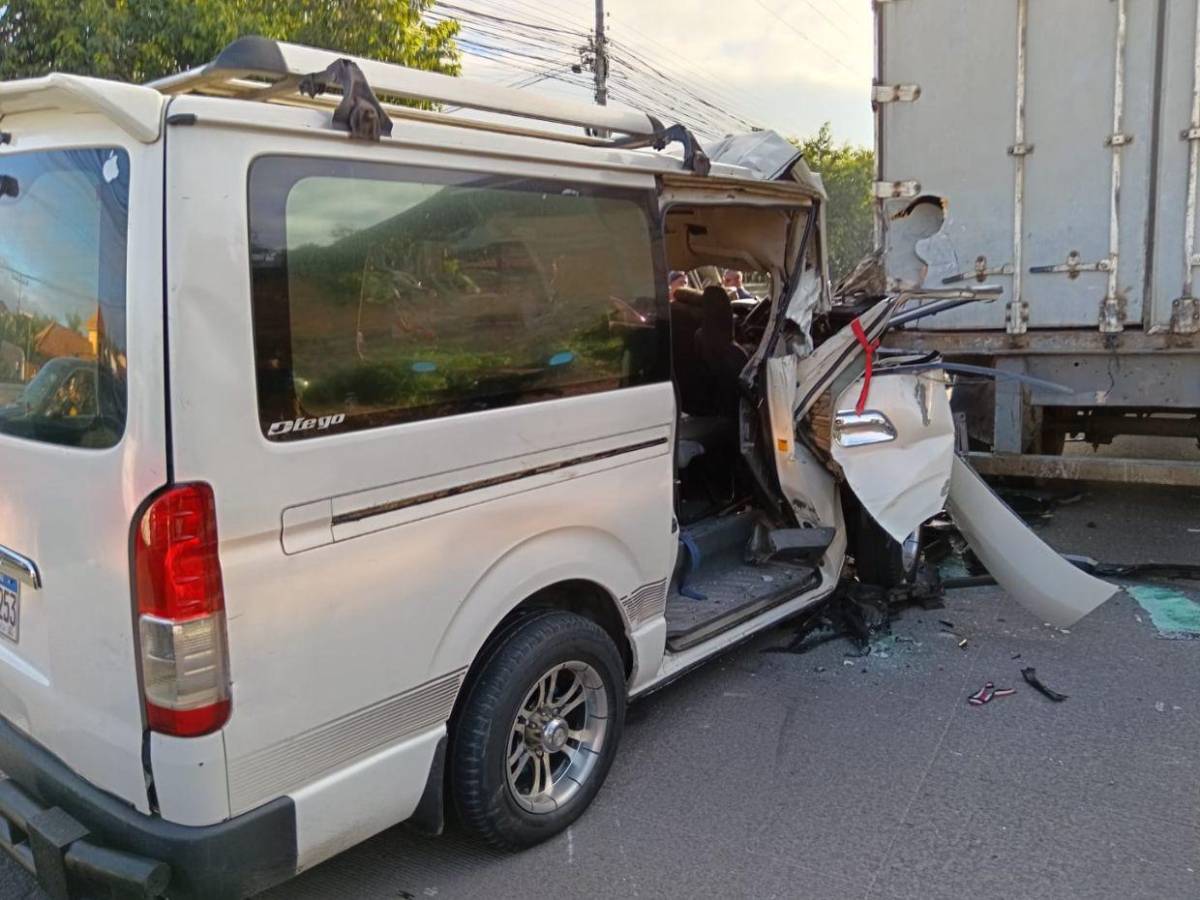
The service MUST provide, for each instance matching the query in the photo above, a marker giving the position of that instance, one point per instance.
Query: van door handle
(851, 429)
(20, 567)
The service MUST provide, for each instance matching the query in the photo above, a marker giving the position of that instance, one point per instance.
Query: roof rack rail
(260, 69)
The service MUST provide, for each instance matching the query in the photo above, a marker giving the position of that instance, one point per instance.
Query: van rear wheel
(538, 730)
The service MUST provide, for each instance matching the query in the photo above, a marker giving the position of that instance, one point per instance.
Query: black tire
(878, 558)
(486, 803)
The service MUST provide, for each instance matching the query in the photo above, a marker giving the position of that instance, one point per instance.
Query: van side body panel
(348, 646)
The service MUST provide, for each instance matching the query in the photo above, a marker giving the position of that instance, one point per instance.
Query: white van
(354, 469)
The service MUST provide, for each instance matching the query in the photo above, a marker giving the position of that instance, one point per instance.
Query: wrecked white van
(356, 462)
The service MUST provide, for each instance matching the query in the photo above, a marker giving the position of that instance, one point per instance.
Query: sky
(789, 65)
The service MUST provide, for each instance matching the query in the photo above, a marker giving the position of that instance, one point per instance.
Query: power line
(805, 37)
(674, 85)
(861, 9)
(549, 52)
(507, 20)
(685, 65)
(517, 43)
(822, 14)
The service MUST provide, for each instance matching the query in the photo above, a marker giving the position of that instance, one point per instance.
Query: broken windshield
(63, 221)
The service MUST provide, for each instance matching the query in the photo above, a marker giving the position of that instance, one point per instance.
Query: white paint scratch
(570, 846)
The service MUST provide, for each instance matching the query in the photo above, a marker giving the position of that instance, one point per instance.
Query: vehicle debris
(1030, 675)
(862, 613)
(983, 695)
(1174, 571)
(988, 693)
(1035, 576)
(1175, 615)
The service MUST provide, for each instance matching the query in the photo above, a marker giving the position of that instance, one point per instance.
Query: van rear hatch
(82, 437)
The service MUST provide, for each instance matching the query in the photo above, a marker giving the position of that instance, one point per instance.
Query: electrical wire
(686, 66)
(836, 59)
(552, 48)
(820, 12)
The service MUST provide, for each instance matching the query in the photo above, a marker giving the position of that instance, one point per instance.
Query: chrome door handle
(20, 567)
(852, 429)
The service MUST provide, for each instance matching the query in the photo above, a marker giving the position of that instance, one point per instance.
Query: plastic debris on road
(1031, 678)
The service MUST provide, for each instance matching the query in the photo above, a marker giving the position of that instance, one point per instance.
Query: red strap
(869, 348)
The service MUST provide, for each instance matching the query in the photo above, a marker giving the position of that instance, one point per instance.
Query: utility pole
(600, 62)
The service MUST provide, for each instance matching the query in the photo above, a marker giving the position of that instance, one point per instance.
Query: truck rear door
(999, 164)
(82, 438)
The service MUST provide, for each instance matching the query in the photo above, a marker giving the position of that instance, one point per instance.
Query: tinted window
(385, 294)
(63, 219)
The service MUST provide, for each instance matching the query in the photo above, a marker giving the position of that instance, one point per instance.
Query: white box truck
(1051, 148)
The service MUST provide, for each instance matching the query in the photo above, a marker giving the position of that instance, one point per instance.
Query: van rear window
(386, 294)
(63, 221)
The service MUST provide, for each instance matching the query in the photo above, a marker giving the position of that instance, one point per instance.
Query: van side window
(386, 294)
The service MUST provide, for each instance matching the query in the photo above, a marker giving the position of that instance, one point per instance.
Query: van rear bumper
(72, 835)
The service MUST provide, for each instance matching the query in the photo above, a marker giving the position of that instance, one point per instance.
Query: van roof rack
(260, 69)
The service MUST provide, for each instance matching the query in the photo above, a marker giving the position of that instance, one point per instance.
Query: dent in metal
(901, 482)
(938, 254)
(1031, 572)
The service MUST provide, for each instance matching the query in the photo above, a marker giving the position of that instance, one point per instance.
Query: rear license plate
(10, 607)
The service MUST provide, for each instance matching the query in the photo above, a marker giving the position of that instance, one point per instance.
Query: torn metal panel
(767, 155)
(819, 370)
(1034, 575)
(903, 481)
(804, 304)
(808, 487)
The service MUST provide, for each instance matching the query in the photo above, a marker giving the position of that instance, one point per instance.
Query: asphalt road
(822, 775)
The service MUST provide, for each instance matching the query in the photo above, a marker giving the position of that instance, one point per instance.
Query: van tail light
(181, 612)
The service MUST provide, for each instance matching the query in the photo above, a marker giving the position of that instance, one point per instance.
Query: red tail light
(181, 612)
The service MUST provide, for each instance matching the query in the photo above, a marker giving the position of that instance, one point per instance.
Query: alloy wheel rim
(557, 736)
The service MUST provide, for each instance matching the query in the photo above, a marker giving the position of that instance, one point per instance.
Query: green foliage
(138, 40)
(847, 172)
(19, 330)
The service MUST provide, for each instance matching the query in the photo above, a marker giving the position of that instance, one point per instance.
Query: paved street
(821, 776)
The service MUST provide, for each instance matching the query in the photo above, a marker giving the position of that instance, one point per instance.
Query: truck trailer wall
(1045, 147)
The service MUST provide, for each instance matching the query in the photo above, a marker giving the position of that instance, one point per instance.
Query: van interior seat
(687, 316)
(723, 360)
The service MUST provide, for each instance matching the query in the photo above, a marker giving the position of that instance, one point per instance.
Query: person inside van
(676, 280)
(733, 282)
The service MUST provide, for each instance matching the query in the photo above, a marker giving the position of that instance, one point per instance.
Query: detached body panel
(1034, 574)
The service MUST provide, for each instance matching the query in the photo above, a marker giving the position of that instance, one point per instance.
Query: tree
(849, 216)
(139, 40)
